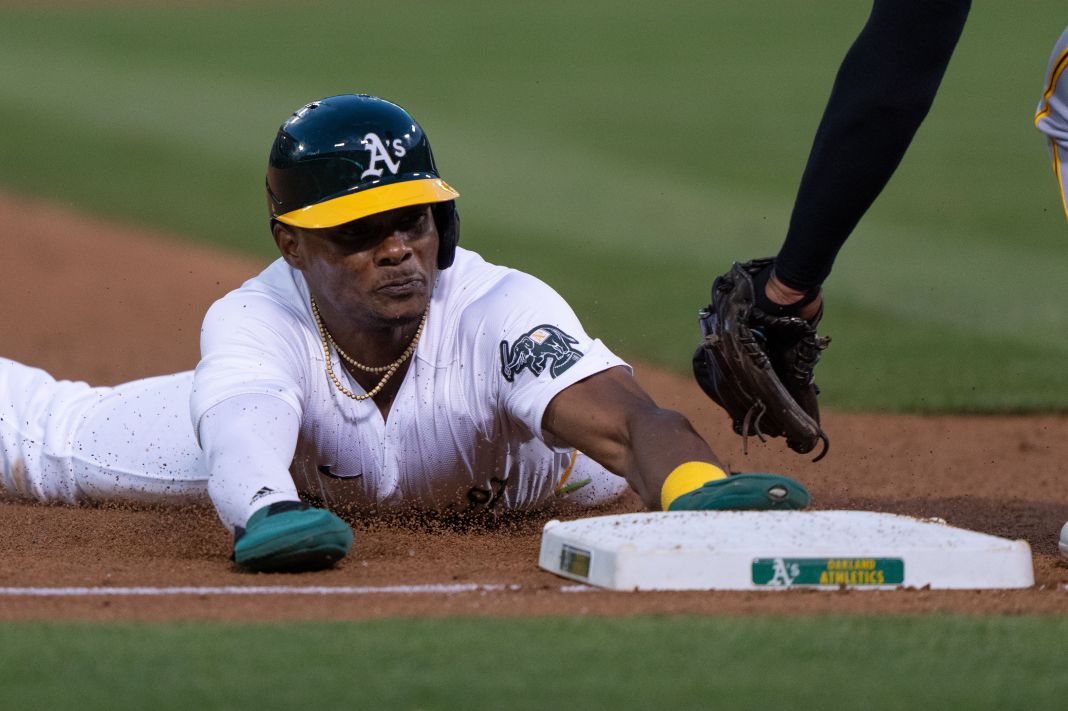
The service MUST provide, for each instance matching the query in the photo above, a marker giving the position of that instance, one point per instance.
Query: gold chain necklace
(327, 340)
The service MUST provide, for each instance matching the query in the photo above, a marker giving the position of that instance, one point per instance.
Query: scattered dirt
(91, 300)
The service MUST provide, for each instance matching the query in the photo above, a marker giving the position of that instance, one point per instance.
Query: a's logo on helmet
(377, 148)
(534, 349)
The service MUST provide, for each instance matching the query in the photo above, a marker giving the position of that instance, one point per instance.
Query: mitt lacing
(809, 349)
(759, 407)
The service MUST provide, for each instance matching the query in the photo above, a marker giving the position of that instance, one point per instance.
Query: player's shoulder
(477, 288)
(1058, 63)
(270, 308)
(1062, 43)
(277, 293)
(469, 277)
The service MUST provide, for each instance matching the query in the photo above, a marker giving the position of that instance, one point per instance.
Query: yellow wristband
(687, 477)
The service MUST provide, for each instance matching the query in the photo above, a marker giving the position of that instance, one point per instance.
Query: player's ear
(288, 242)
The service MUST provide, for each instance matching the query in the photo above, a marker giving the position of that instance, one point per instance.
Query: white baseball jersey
(1051, 117)
(465, 427)
(463, 431)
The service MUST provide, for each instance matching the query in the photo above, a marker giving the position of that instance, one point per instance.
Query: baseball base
(776, 550)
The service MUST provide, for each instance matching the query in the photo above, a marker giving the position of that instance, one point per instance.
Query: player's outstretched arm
(611, 419)
(248, 442)
(614, 422)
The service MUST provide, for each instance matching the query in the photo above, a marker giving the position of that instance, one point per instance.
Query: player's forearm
(614, 422)
(248, 443)
(659, 441)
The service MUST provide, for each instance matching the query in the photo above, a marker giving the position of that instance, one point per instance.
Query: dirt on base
(90, 300)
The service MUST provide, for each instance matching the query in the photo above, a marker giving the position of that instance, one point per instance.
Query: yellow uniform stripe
(686, 478)
(353, 206)
(1060, 177)
(567, 472)
(1054, 75)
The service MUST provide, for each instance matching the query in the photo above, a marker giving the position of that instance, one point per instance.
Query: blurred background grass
(626, 153)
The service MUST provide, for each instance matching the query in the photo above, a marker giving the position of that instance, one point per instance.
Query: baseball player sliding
(375, 366)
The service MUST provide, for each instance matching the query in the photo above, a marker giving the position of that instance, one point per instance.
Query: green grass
(624, 152)
(811, 662)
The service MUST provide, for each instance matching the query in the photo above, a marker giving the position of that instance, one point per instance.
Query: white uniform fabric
(67, 442)
(465, 427)
(1051, 117)
(463, 432)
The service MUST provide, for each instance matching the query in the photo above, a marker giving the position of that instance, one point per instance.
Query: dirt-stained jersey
(465, 427)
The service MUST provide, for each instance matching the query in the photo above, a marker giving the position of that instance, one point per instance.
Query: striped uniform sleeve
(1051, 117)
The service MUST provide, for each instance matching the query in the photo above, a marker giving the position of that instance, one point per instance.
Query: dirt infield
(90, 300)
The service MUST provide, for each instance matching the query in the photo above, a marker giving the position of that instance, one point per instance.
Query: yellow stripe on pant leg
(1060, 177)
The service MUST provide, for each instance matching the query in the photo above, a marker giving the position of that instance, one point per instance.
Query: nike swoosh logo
(327, 470)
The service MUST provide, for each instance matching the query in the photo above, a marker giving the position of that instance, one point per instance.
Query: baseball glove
(759, 367)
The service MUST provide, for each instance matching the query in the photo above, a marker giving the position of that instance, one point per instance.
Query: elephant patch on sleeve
(534, 349)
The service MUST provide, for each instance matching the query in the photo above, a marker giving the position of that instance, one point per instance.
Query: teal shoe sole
(293, 541)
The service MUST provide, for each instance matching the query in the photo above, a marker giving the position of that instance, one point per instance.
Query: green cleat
(291, 536)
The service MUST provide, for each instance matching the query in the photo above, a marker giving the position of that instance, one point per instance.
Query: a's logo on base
(821, 572)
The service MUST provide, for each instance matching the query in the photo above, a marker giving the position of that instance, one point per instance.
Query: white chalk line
(270, 590)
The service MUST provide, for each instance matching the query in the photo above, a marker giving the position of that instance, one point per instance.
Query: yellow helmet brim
(339, 210)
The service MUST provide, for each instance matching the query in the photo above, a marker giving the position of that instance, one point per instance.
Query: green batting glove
(291, 536)
(739, 492)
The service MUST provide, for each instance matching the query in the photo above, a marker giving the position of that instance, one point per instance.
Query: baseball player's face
(378, 271)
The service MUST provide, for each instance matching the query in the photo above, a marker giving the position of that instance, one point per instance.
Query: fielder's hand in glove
(757, 365)
(700, 486)
(291, 536)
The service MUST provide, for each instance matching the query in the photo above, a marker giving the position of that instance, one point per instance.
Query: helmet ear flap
(447, 220)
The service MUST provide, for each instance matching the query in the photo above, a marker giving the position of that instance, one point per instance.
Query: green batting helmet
(346, 157)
